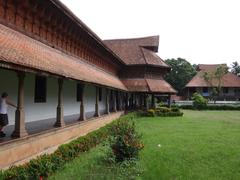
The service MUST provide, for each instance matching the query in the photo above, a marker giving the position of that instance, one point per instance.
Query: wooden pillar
(20, 129)
(169, 100)
(114, 102)
(153, 101)
(60, 121)
(131, 101)
(141, 101)
(107, 102)
(123, 101)
(145, 101)
(126, 102)
(82, 108)
(120, 101)
(97, 114)
(135, 100)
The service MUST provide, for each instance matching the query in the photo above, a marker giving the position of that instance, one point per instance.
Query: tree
(214, 79)
(181, 73)
(235, 68)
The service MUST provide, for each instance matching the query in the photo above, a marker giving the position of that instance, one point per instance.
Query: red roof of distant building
(209, 67)
(229, 79)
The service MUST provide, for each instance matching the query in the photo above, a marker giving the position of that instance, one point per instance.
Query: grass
(94, 165)
(199, 145)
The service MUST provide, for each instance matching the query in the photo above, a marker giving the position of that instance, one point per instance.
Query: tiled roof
(229, 79)
(137, 51)
(148, 85)
(209, 67)
(160, 85)
(83, 26)
(18, 49)
(136, 85)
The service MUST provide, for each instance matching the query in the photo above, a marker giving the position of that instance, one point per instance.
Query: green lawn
(199, 145)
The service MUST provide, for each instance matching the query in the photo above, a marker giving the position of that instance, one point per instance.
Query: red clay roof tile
(229, 80)
(149, 85)
(22, 50)
(137, 51)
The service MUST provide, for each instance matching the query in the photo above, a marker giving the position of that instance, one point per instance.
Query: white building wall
(39, 111)
(102, 103)
(90, 100)
(89, 95)
(70, 104)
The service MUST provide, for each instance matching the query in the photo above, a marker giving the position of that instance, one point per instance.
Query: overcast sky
(201, 31)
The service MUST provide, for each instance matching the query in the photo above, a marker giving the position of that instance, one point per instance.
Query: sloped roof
(209, 67)
(149, 85)
(229, 79)
(138, 51)
(18, 49)
(84, 27)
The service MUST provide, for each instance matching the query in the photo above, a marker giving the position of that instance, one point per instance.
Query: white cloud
(202, 31)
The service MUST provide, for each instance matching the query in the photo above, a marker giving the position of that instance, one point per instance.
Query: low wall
(232, 103)
(21, 150)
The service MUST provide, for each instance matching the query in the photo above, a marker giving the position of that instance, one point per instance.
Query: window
(205, 90)
(100, 94)
(79, 92)
(225, 90)
(40, 89)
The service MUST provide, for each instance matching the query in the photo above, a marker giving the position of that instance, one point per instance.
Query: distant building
(230, 84)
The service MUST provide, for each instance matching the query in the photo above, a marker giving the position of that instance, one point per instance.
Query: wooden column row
(20, 129)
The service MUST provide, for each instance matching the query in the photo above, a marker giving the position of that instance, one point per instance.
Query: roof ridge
(154, 54)
(137, 38)
(141, 48)
(147, 84)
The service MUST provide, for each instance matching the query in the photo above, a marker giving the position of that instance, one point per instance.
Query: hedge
(162, 112)
(45, 165)
(212, 107)
(170, 114)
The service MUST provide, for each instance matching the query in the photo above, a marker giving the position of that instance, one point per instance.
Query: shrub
(170, 114)
(174, 106)
(151, 112)
(161, 104)
(125, 141)
(45, 165)
(164, 109)
(175, 109)
(199, 102)
(186, 107)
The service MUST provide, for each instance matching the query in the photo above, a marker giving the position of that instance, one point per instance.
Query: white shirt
(3, 106)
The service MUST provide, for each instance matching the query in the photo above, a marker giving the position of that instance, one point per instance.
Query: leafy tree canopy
(235, 68)
(214, 79)
(181, 73)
